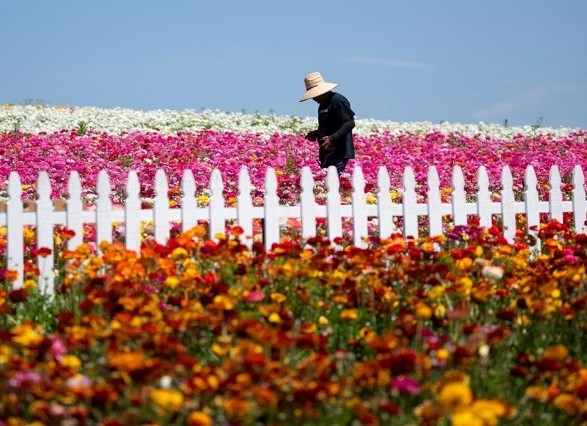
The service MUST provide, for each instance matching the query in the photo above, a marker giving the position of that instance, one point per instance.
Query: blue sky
(462, 61)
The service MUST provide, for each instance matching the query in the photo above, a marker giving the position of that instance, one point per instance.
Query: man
(335, 123)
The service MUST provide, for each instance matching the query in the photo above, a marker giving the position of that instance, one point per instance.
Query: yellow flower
(559, 352)
(454, 396)
(30, 284)
(370, 198)
(436, 292)
(349, 314)
(278, 297)
(488, 410)
(274, 318)
(199, 418)
(569, 404)
(167, 399)
(466, 418)
(27, 336)
(179, 253)
(464, 263)
(71, 361)
(172, 281)
(5, 352)
(440, 311)
(423, 311)
(203, 199)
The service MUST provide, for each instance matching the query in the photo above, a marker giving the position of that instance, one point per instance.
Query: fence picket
(333, 210)
(555, 195)
(384, 204)
(45, 213)
(44, 210)
(532, 202)
(245, 205)
(579, 201)
(132, 212)
(216, 204)
(74, 210)
(103, 210)
(459, 197)
(434, 202)
(307, 204)
(508, 204)
(410, 210)
(359, 200)
(14, 225)
(188, 200)
(271, 209)
(161, 207)
(484, 204)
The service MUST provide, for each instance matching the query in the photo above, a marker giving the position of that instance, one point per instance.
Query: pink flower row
(62, 152)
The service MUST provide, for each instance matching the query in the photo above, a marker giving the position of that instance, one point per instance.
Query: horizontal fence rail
(46, 213)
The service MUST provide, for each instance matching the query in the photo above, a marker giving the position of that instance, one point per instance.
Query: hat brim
(318, 90)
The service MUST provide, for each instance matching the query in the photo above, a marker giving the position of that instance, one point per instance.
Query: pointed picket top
(384, 210)
(188, 200)
(507, 181)
(508, 204)
(555, 197)
(103, 188)
(244, 182)
(409, 180)
(433, 179)
(484, 202)
(271, 181)
(332, 179)
(434, 202)
(383, 182)
(74, 209)
(531, 201)
(482, 180)
(103, 209)
(132, 210)
(359, 208)
(530, 180)
(307, 204)
(459, 197)
(579, 201)
(161, 207)
(14, 187)
(133, 186)
(216, 204)
(409, 204)
(161, 185)
(188, 185)
(245, 206)
(44, 190)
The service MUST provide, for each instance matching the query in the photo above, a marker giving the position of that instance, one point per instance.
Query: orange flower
(199, 418)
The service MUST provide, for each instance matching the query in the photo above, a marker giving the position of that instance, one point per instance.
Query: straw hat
(316, 86)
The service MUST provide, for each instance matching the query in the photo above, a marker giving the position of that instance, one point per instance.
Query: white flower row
(41, 118)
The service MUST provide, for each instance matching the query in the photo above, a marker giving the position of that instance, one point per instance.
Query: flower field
(463, 329)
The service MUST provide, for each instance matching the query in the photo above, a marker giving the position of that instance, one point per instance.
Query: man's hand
(325, 143)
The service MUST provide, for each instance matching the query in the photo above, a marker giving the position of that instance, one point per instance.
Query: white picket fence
(45, 216)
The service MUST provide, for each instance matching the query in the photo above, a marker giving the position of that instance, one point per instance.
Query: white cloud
(391, 63)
